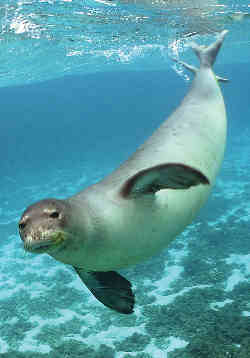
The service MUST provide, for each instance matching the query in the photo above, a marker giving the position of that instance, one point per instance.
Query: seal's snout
(21, 226)
(41, 225)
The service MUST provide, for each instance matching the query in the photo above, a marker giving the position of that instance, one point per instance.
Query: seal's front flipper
(164, 176)
(110, 288)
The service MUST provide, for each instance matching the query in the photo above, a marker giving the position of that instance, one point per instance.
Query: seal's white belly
(140, 229)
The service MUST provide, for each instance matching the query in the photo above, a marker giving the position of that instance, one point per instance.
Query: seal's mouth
(38, 246)
(46, 244)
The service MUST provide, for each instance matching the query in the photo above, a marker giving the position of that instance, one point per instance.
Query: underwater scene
(83, 84)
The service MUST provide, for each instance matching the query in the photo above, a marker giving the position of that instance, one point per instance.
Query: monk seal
(139, 208)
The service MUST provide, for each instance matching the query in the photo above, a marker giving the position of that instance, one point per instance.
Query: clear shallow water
(49, 38)
(193, 299)
(56, 137)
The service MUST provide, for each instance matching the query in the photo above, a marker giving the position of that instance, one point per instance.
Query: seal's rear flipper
(194, 69)
(164, 176)
(110, 288)
(207, 55)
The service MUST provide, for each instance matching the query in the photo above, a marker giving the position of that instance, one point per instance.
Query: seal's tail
(207, 55)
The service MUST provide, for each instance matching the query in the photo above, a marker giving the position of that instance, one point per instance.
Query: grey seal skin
(138, 209)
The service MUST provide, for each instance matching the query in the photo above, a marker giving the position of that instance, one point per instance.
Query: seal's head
(42, 225)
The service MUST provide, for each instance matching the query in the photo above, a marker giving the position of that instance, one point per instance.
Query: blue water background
(87, 125)
(62, 135)
(111, 84)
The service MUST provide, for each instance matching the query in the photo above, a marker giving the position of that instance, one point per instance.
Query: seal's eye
(22, 226)
(54, 215)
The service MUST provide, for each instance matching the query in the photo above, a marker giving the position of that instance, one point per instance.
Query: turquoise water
(45, 39)
(62, 133)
